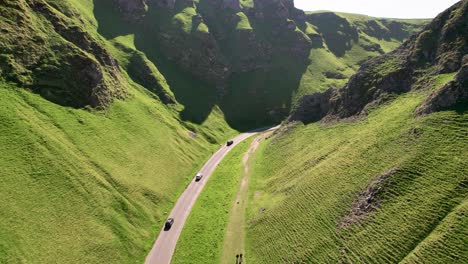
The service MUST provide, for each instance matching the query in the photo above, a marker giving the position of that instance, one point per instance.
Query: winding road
(164, 247)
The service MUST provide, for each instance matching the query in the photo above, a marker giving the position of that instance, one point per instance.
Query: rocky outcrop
(374, 80)
(452, 94)
(65, 65)
(273, 9)
(438, 49)
(312, 108)
(443, 42)
(132, 10)
(368, 199)
(205, 62)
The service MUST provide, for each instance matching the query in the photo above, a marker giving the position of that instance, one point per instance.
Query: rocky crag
(440, 48)
(254, 59)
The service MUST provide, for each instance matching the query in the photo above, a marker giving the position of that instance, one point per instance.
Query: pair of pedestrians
(239, 258)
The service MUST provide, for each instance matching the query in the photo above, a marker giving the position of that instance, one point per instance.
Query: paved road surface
(164, 247)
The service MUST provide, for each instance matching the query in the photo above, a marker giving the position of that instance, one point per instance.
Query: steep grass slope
(383, 177)
(82, 184)
(389, 188)
(108, 107)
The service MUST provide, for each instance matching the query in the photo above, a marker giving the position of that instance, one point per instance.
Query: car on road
(198, 177)
(168, 224)
(229, 143)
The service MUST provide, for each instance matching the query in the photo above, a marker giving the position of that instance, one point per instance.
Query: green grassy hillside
(108, 109)
(82, 184)
(387, 188)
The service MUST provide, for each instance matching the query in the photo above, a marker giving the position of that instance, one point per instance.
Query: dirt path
(164, 247)
(235, 234)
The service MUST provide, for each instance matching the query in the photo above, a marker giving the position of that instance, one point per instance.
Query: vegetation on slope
(256, 57)
(376, 190)
(82, 184)
(388, 184)
(87, 184)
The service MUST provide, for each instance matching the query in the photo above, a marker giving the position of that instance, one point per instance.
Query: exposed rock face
(443, 42)
(376, 78)
(312, 108)
(440, 46)
(73, 69)
(454, 93)
(273, 9)
(132, 10)
(368, 200)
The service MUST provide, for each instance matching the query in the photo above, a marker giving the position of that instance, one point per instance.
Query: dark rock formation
(373, 47)
(317, 40)
(375, 79)
(312, 108)
(71, 69)
(335, 75)
(438, 49)
(453, 94)
(132, 10)
(273, 9)
(443, 42)
(368, 200)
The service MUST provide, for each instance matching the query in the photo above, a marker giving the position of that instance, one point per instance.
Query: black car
(229, 143)
(168, 224)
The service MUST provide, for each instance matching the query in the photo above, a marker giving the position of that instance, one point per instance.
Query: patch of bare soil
(367, 200)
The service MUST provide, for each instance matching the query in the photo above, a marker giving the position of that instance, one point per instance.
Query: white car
(198, 177)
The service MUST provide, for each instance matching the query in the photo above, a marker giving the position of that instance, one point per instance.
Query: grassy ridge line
(306, 181)
(202, 238)
(80, 186)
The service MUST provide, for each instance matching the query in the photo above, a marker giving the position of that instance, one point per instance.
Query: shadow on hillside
(110, 25)
(262, 95)
(197, 97)
(338, 33)
(254, 98)
(461, 108)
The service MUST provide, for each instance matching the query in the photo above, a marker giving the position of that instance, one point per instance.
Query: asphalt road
(164, 247)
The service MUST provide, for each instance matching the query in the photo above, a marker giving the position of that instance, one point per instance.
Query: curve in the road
(164, 247)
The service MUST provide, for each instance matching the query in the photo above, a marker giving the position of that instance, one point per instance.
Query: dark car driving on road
(229, 143)
(168, 224)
